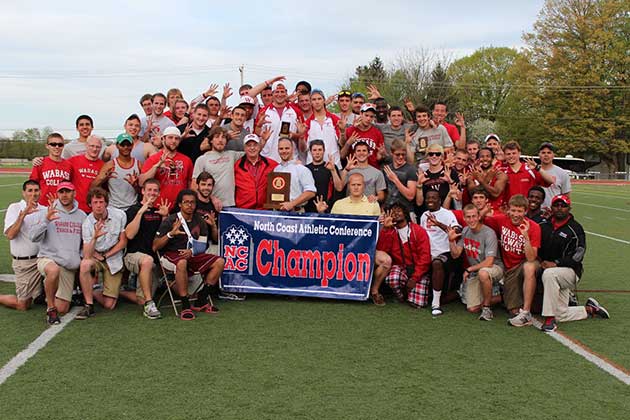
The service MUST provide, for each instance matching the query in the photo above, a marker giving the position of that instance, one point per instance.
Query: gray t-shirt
(374, 179)
(481, 245)
(390, 134)
(237, 143)
(422, 139)
(561, 184)
(405, 173)
(221, 167)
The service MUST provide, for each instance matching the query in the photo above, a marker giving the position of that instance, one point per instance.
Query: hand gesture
(372, 198)
(132, 179)
(422, 178)
(459, 119)
(286, 206)
(320, 204)
(31, 207)
(531, 163)
(147, 203)
(331, 99)
(409, 105)
(330, 165)
(51, 214)
(111, 172)
(210, 219)
(233, 135)
(524, 228)
(211, 91)
(454, 192)
(225, 112)
(262, 120)
(37, 161)
(408, 136)
(99, 229)
(389, 172)
(387, 220)
(265, 134)
(51, 197)
(353, 138)
(453, 235)
(165, 204)
(486, 210)
(301, 128)
(150, 124)
(177, 228)
(188, 132)
(373, 92)
(227, 91)
(217, 203)
(358, 121)
(351, 163)
(381, 152)
(293, 97)
(343, 121)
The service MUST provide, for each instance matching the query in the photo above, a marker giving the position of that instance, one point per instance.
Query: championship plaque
(278, 189)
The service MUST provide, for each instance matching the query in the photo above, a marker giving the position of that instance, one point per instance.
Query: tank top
(121, 194)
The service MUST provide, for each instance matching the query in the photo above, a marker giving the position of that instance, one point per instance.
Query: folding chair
(195, 283)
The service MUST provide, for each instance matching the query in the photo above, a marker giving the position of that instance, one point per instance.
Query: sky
(66, 58)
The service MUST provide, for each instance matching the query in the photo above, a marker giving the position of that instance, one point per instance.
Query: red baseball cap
(67, 185)
(561, 197)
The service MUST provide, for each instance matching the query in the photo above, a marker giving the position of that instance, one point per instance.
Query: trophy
(278, 189)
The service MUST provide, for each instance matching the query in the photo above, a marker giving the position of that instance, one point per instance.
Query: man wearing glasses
(401, 179)
(436, 177)
(344, 100)
(52, 170)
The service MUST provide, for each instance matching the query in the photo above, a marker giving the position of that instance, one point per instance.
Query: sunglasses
(434, 154)
(358, 95)
(344, 93)
(400, 154)
(55, 144)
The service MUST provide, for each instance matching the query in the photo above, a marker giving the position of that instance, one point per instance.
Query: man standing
(84, 169)
(250, 175)
(436, 221)
(177, 237)
(437, 177)
(563, 245)
(522, 176)
(561, 184)
(374, 180)
(121, 175)
(171, 168)
(143, 222)
(302, 182)
(324, 126)
(439, 117)
(156, 123)
(104, 243)
(236, 131)
(401, 178)
(426, 135)
(85, 125)
(194, 134)
(344, 99)
(140, 151)
(487, 176)
(408, 246)
(395, 129)
(58, 231)
(325, 174)
(145, 103)
(366, 133)
(52, 170)
(485, 267)
(519, 239)
(18, 221)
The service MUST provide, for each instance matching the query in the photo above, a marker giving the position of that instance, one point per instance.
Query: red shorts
(200, 263)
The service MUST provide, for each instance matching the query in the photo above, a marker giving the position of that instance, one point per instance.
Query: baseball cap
(124, 137)
(490, 136)
(277, 84)
(247, 100)
(368, 106)
(67, 185)
(172, 131)
(251, 137)
(561, 197)
(547, 145)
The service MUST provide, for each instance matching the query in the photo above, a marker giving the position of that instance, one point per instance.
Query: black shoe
(86, 312)
(52, 316)
(598, 309)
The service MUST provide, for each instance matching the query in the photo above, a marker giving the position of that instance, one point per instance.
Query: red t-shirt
(84, 171)
(453, 133)
(171, 181)
(511, 241)
(521, 181)
(373, 137)
(49, 174)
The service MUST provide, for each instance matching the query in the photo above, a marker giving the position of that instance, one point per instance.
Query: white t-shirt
(561, 184)
(437, 237)
(21, 246)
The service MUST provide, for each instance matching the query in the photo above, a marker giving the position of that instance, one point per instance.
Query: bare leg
(383, 266)
(529, 285)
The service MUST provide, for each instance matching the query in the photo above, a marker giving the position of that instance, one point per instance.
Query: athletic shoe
(573, 300)
(550, 324)
(52, 316)
(598, 309)
(151, 311)
(230, 296)
(522, 319)
(486, 314)
(436, 311)
(86, 312)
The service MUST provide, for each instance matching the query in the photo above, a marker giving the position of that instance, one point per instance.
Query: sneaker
(151, 311)
(573, 300)
(230, 296)
(550, 324)
(86, 312)
(52, 316)
(598, 309)
(522, 319)
(486, 314)
(436, 311)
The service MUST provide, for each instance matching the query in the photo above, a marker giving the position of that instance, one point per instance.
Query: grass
(271, 357)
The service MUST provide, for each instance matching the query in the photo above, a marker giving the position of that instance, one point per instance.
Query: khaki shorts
(513, 286)
(474, 295)
(66, 278)
(132, 263)
(111, 282)
(28, 280)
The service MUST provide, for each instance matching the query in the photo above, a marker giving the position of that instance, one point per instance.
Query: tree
(440, 88)
(580, 63)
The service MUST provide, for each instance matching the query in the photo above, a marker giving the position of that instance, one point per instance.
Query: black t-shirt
(436, 183)
(323, 185)
(197, 226)
(143, 241)
(191, 146)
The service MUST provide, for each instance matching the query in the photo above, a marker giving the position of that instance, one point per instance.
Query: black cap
(547, 145)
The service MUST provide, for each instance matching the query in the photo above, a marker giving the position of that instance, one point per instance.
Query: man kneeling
(104, 242)
(183, 237)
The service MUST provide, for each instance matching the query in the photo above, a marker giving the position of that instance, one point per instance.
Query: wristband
(168, 235)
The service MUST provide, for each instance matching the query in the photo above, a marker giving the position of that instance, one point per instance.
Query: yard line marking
(40, 342)
(619, 196)
(602, 207)
(601, 291)
(588, 217)
(10, 185)
(620, 218)
(608, 237)
(3, 210)
(581, 349)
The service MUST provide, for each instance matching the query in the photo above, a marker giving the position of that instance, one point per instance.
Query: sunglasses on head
(344, 93)
(55, 144)
(434, 154)
(358, 95)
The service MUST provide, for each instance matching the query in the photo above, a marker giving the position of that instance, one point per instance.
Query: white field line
(588, 354)
(40, 342)
(602, 207)
(10, 185)
(619, 196)
(608, 237)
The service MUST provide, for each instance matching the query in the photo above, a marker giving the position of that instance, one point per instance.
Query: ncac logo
(237, 243)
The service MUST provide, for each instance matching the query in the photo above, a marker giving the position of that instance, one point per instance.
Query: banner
(318, 255)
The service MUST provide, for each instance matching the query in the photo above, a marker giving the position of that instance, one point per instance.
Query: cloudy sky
(65, 58)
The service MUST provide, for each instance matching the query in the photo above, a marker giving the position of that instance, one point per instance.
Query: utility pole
(241, 69)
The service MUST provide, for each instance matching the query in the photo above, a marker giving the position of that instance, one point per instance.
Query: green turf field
(272, 357)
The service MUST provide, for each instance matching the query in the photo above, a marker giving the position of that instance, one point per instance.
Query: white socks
(436, 298)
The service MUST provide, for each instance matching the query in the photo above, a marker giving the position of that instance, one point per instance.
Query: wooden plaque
(278, 189)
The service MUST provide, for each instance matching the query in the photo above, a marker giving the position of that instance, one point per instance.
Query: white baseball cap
(251, 137)
(172, 131)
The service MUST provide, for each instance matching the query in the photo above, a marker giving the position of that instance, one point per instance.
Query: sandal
(207, 308)
(187, 315)
(377, 299)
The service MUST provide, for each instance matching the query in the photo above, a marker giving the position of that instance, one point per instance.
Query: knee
(110, 304)
(383, 260)
(182, 264)
(63, 306)
(23, 305)
(146, 264)
(436, 265)
(220, 263)
(86, 265)
(529, 268)
(51, 270)
(483, 275)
